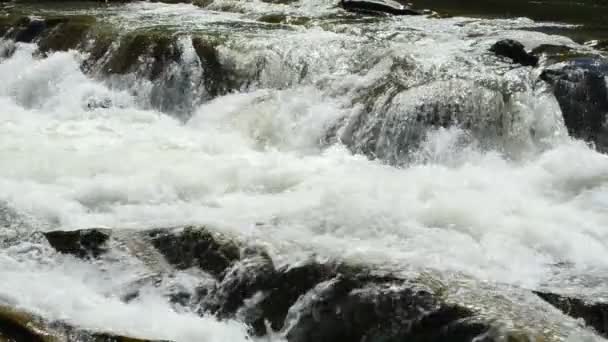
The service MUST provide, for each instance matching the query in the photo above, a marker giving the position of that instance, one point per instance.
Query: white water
(250, 163)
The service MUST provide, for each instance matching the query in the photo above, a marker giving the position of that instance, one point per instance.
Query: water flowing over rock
(301, 171)
(313, 300)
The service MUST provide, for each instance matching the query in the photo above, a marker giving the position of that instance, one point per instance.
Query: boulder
(595, 314)
(515, 51)
(582, 94)
(378, 6)
(80, 243)
(349, 308)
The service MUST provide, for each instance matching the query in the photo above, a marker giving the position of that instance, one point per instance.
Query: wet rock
(348, 308)
(291, 282)
(378, 6)
(515, 51)
(595, 315)
(218, 78)
(27, 30)
(391, 127)
(195, 247)
(20, 326)
(580, 89)
(68, 33)
(80, 243)
(16, 326)
(159, 48)
(559, 53)
(254, 273)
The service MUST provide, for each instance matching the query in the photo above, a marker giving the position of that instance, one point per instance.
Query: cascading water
(397, 142)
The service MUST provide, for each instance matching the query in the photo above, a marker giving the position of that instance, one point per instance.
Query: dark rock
(580, 89)
(378, 6)
(218, 79)
(195, 247)
(291, 283)
(81, 243)
(160, 47)
(66, 34)
(348, 308)
(595, 315)
(16, 326)
(515, 51)
(20, 326)
(254, 273)
(559, 53)
(27, 30)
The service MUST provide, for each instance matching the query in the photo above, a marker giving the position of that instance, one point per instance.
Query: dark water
(591, 16)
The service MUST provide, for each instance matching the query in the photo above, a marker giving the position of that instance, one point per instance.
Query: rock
(580, 89)
(291, 283)
(559, 53)
(393, 126)
(196, 247)
(515, 51)
(66, 34)
(347, 308)
(218, 80)
(16, 326)
(378, 6)
(595, 315)
(244, 279)
(20, 326)
(80, 243)
(160, 47)
(27, 30)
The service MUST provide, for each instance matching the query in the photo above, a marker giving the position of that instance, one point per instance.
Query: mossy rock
(160, 46)
(68, 33)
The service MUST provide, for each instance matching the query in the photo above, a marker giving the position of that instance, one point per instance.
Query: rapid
(306, 158)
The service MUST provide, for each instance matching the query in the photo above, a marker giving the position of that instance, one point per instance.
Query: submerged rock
(80, 243)
(378, 6)
(515, 51)
(594, 314)
(582, 94)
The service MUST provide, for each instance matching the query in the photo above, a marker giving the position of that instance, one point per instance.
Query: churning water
(507, 197)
